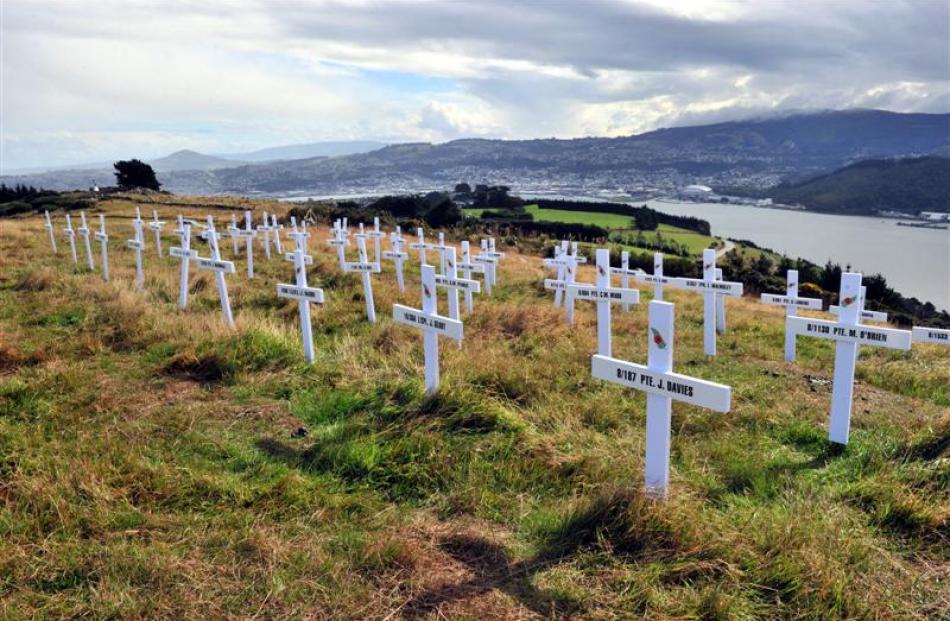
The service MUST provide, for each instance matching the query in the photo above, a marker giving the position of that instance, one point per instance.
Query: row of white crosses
(428, 319)
(83, 231)
(485, 262)
(712, 286)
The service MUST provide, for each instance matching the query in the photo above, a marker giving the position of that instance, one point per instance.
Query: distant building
(695, 192)
(935, 216)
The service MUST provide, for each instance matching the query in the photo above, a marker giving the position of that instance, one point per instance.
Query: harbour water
(915, 261)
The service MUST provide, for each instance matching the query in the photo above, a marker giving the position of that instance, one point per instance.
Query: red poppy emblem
(658, 338)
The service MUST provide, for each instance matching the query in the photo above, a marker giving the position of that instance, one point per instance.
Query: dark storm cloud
(908, 39)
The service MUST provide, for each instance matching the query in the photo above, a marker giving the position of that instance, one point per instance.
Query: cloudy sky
(92, 80)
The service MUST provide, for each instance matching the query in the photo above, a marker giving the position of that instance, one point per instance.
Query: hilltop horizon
(210, 160)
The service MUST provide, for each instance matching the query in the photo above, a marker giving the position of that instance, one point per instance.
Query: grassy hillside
(154, 464)
(908, 185)
(695, 242)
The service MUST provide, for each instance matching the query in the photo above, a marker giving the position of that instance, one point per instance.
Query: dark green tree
(131, 174)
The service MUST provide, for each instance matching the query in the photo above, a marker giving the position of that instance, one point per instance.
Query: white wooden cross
(713, 288)
(720, 307)
(306, 234)
(662, 386)
(569, 273)
(432, 324)
(248, 234)
(185, 254)
(558, 262)
(276, 228)
(625, 273)
(339, 240)
(397, 256)
(156, 226)
(265, 229)
(656, 278)
(304, 295)
(137, 243)
(234, 232)
(866, 315)
(300, 235)
(365, 268)
(791, 302)
(103, 240)
(49, 229)
(377, 236)
(440, 248)
(71, 237)
(497, 255)
(467, 267)
(935, 336)
(578, 258)
(625, 276)
(84, 233)
(848, 333)
(449, 280)
(420, 245)
(485, 258)
(605, 295)
(220, 268)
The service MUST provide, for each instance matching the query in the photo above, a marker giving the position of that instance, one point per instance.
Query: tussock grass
(156, 464)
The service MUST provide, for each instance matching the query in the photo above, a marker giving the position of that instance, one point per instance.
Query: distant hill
(191, 160)
(908, 185)
(308, 150)
(756, 153)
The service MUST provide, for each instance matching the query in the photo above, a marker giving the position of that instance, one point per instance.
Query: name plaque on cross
(930, 335)
(860, 334)
(443, 326)
(293, 292)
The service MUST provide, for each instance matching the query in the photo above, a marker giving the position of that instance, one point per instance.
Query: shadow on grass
(621, 521)
(493, 569)
(277, 450)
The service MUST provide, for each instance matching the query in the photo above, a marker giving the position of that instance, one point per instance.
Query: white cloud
(93, 81)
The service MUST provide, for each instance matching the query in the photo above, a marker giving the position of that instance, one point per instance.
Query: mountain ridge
(908, 185)
(756, 154)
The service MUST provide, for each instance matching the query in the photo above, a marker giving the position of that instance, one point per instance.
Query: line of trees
(20, 192)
